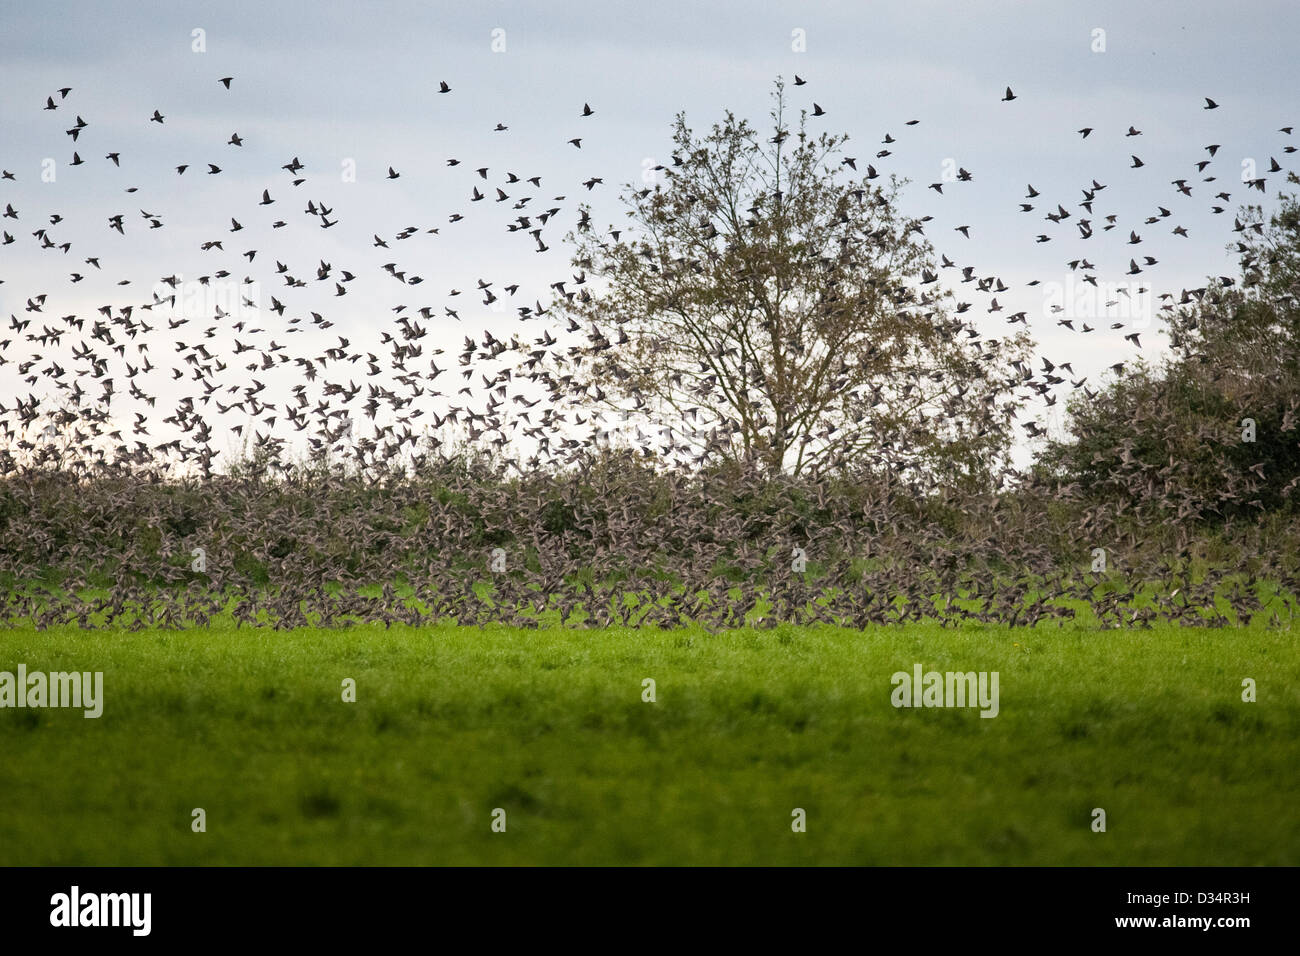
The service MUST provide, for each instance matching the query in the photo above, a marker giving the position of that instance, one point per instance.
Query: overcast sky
(355, 85)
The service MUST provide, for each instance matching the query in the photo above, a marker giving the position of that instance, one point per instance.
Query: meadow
(551, 725)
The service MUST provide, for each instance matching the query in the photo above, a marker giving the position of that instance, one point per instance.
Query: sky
(354, 88)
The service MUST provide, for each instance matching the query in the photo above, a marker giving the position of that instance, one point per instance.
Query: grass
(450, 723)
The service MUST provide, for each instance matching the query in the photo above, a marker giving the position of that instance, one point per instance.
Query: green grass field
(550, 725)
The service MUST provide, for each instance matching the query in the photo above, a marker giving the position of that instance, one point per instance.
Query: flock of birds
(72, 386)
(611, 542)
(519, 392)
(123, 330)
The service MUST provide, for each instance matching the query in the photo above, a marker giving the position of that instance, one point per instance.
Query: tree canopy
(775, 306)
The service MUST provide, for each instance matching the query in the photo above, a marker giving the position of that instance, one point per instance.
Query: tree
(1211, 432)
(1248, 328)
(773, 309)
